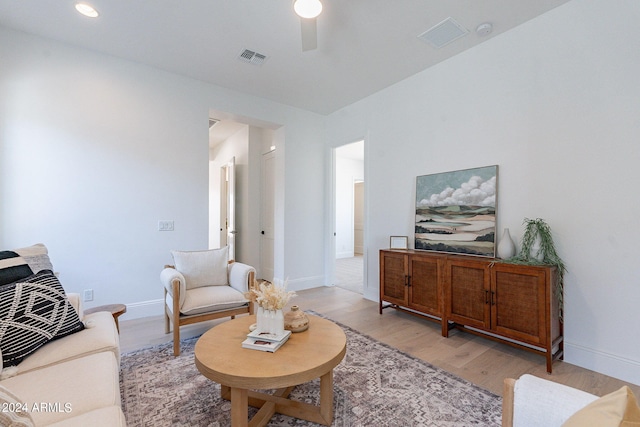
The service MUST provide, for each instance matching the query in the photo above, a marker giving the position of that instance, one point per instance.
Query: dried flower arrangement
(272, 297)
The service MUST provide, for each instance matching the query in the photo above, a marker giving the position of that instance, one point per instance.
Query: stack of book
(265, 341)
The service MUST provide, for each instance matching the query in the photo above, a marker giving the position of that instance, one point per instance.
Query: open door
(267, 240)
(228, 207)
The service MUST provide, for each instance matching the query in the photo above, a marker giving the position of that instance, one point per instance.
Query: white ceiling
(363, 45)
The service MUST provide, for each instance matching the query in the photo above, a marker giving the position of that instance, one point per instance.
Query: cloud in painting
(474, 192)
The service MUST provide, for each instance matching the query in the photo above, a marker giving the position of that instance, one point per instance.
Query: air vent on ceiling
(444, 33)
(252, 57)
(213, 122)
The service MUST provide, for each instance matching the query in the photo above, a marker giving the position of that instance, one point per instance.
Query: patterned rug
(375, 385)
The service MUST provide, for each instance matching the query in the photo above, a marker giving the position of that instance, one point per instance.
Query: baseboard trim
(137, 310)
(616, 366)
(303, 283)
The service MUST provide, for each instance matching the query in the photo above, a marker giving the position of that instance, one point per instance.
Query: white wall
(555, 104)
(347, 171)
(95, 150)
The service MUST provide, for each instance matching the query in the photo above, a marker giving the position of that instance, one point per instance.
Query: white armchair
(204, 285)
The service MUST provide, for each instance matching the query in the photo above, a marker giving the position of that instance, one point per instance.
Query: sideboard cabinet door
(425, 284)
(393, 278)
(522, 302)
(468, 292)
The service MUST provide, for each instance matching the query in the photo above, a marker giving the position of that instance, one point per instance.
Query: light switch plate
(165, 225)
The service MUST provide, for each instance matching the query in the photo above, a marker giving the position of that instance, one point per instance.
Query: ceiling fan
(308, 11)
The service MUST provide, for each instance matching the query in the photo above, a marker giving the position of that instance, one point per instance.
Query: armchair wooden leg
(167, 326)
(176, 340)
(175, 313)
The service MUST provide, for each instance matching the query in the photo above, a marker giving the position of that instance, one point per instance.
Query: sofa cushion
(559, 401)
(110, 416)
(212, 298)
(619, 408)
(203, 268)
(33, 311)
(14, 412)
(69, 389)
(20, 263)
(100, 335)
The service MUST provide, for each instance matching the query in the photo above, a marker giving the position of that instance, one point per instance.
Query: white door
(358, 218)
(267, 216)
(228, 207)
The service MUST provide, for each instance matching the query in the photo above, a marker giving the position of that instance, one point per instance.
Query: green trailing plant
(538, 231)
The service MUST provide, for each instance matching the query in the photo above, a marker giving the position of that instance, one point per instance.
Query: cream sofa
(531, 401)
(71, 381)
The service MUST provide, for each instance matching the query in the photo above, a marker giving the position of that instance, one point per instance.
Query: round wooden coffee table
(306, 356)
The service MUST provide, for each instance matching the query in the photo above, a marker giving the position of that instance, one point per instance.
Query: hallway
(349, 273)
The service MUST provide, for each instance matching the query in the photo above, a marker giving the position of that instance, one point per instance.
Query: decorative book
(266, 336)
(263, 345)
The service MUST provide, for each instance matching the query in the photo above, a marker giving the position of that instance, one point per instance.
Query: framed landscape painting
(456, 211)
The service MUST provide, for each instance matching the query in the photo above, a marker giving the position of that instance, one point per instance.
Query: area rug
(375, 385)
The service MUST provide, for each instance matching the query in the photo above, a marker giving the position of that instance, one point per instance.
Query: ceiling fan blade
(309, 27)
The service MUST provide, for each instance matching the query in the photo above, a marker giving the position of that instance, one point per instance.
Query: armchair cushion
(210, 299)
(203, 268)
(619, 408)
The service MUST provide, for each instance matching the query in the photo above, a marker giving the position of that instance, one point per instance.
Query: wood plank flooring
(481, 361)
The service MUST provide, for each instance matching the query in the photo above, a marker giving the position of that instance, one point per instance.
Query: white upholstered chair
(204, 285)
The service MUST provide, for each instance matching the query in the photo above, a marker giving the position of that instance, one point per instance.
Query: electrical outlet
(165, 225)
(88, 295)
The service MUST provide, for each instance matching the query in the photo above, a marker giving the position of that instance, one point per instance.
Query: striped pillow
(34, 311)
(20, 263)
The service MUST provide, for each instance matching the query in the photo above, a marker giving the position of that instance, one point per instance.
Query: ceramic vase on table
(506, 247)
(278, 322)
(260, 320)
(296, 320)
(270, 321)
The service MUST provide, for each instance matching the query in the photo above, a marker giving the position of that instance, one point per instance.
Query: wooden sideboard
(511, 303)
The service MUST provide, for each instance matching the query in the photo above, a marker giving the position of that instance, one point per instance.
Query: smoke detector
(484, 29)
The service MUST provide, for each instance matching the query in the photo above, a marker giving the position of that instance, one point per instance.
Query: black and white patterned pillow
(20, 263)
(34, 311)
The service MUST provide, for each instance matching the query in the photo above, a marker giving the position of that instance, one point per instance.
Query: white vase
(536, 252)
(506, 247)
(260, 320)
(278, 322)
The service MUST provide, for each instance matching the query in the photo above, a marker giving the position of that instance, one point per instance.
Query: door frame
(330, 250)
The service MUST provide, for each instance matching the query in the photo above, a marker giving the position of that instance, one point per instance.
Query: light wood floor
(476, 359)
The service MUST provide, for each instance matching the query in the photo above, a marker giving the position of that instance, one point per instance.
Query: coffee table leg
(239, 407)
(326, 397)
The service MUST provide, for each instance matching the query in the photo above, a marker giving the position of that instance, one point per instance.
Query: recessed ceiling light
(87, 10)
(307, 8)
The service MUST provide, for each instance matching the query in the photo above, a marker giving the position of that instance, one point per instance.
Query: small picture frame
(398, 242)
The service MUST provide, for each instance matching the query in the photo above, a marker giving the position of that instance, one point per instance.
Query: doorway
(228, 207)
(237, 190)
(349, 217)
(267, 197)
